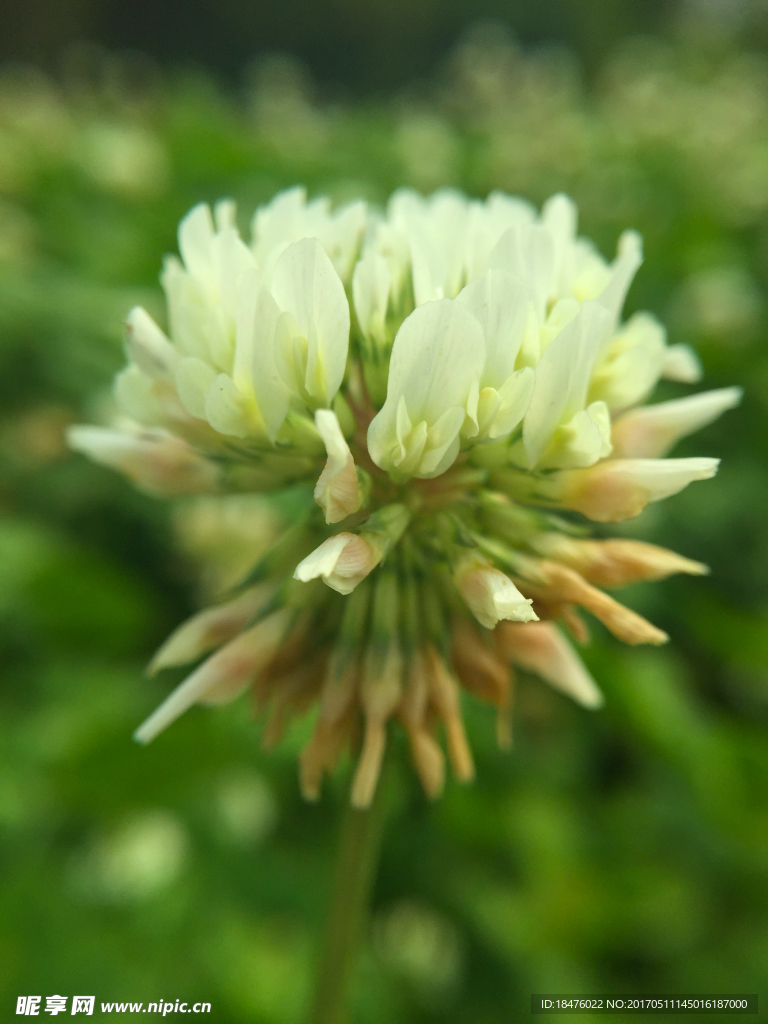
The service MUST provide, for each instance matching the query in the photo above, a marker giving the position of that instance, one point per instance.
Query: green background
(623, 851)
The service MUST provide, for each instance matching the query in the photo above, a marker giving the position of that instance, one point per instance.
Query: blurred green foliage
(624, 851)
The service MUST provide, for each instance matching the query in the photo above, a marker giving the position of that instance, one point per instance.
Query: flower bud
(338, 491)
(342, 561)
(490, 595)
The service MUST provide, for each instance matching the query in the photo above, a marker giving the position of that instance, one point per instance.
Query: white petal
(514, 400)
(617, 489)
(370, 291)
(585, 439)
(430, 270)
(209, 628)
(195, 241)
(155, 460)
(342, 240)
(225, 214)
(562, 313)
(255, 368)
(276, 225)
(442, 444)
(188, 309)
(193, 378)
(305, 285)
(560, 216)
(500, 303)
(135, 396)
(232, 258)
(527, 251)
(147, 345)
(631, 363)
(682, 364)
(322, 561)
(623, 271)
(436, 357)
(226, 409)
(562, 377)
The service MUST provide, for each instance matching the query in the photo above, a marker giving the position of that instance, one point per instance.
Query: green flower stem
(356, 861)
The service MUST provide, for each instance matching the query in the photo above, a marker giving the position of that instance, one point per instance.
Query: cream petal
(618, 489)
(527, 252)
(585, 439)
(370, 291)
(134, 394)
(541, 648)
(682, 364)
(155, 460)
(196, 234)
(500, 303)
(442, 443)
(430, 270)
(342, 239)
(436, 357)
(226, 409)
(255, 367)
(232, 258)
(559, 216)
(222, 676)
(631, 363)
(147, 345)
(193, 378)
(650, 431)
(225, 214)
(209, 628)
(306, 285)
(562, 377)
(622, 274)
(514, 400)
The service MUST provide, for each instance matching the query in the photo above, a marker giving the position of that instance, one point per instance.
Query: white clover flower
(430, 382)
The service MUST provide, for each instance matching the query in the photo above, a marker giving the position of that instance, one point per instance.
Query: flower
(435, 389)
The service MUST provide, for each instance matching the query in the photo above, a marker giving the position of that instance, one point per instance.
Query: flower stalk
(354, 876)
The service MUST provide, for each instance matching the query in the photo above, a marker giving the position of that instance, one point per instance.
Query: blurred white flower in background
(135, 861)
(246, 808)
(421, 945)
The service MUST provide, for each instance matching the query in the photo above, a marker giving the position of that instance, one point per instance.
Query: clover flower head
(439, 385)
